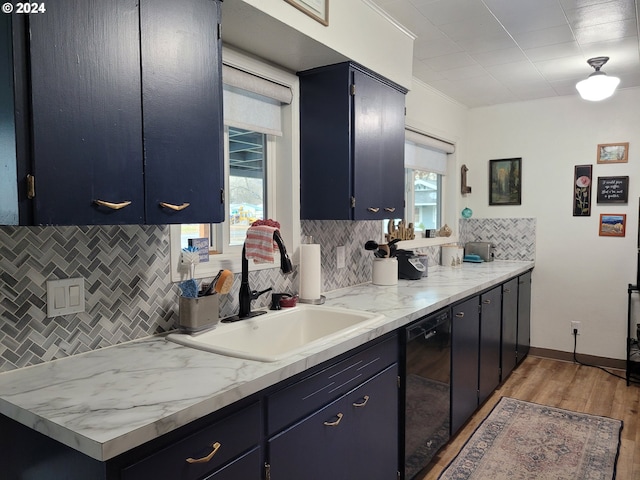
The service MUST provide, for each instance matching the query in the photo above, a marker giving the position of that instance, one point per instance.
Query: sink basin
(278, 334)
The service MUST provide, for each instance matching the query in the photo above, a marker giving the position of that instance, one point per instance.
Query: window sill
(426, 242)
(232, 261)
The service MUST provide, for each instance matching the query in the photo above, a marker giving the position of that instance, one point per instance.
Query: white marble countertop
(108, 401)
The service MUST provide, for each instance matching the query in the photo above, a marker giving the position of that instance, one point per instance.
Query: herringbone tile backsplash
(128, 291)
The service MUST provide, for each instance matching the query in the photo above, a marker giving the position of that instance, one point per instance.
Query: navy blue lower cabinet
(353, 437)
(490, 325)
(509, 327)
(524, 315)
(465, 350)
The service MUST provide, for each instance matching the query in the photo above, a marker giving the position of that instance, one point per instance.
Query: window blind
(252, 102)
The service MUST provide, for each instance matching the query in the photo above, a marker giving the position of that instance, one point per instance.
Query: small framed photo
(505, 181)
(613, 152)
(316, 9)
(612, 224)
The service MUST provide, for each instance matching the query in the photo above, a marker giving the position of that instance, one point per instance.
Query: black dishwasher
(427, 390)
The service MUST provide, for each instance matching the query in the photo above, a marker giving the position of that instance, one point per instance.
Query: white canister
(451, 255)
(385, 271)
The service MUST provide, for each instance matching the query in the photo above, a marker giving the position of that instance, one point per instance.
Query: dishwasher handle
(427, 327)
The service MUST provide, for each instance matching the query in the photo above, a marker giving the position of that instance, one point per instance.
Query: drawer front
(235, 435)
(298, 400)
(247, 467)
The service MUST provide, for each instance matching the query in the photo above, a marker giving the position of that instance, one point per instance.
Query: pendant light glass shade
(598, 85)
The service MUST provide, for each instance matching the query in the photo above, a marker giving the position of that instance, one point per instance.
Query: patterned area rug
(525, 441)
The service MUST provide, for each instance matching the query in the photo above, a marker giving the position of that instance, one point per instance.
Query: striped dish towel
(259, 244)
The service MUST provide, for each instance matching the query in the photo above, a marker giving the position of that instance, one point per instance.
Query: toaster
(483, 249)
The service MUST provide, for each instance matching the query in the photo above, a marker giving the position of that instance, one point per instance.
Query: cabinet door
(489, 370)
(465, 335)
(9, 214)
(524, 315)
(86, 107)
(509, 327)
(356, 436)
(378, 149)
(181, 101)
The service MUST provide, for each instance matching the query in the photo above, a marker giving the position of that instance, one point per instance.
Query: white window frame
(283, 167)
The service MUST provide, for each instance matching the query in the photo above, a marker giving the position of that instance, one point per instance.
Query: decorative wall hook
(464, 189)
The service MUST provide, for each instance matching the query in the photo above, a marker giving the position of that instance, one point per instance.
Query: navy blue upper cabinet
(182, 111)
(126, 112)
(351, 144)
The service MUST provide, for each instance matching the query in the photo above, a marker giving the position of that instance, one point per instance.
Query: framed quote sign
(613, 189)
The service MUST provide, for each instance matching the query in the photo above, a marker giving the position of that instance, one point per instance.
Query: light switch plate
(65, 296)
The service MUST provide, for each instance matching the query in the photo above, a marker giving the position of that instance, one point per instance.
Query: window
(426, 164)
(424, 199)
(261, 157)
(246, 186)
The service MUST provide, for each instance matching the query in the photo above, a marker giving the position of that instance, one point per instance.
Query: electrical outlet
(575, 326)
(340, 257)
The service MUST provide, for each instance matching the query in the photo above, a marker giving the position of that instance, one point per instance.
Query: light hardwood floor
(564, 385)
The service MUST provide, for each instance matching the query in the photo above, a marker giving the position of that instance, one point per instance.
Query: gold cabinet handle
(373, 210)
(335, 424)
(507, 290)
(390, 209)
(487, 301)
(111, 205)
(215, 446)
(460, 314)
(175, 208)
(365, 399)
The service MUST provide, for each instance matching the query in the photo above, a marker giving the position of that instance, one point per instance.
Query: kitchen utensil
(188, 288)
(385, 250)
(371, 245)
(224, 282)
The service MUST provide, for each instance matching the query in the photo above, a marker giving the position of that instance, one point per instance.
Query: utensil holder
(385, 271)
(198, 314)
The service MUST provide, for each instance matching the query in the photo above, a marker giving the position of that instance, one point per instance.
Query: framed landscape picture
(612, 224)
(316, 9)
(505, 181)
(613, 152)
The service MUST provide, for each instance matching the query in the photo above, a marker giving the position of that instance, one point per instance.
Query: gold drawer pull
(112, 206)
(175, 208)
(460, 314)
(365, 399)
(507, 290)
(487, 301)
(373, 210)
(390, 209)
(215, 446)
(335, 424)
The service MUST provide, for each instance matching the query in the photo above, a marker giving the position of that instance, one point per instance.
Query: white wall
(579, 275)
(357, 30)
(435, 114)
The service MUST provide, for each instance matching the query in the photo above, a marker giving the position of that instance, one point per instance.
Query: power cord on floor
(575, 358)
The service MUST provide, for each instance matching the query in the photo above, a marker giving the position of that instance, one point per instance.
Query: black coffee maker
(409, 265)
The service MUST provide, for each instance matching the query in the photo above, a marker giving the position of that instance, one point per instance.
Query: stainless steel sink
(278, 334)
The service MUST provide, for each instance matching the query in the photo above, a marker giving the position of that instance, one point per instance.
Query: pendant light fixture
(598, 85)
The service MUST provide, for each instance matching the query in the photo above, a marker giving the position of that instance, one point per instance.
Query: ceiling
(486, 52)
